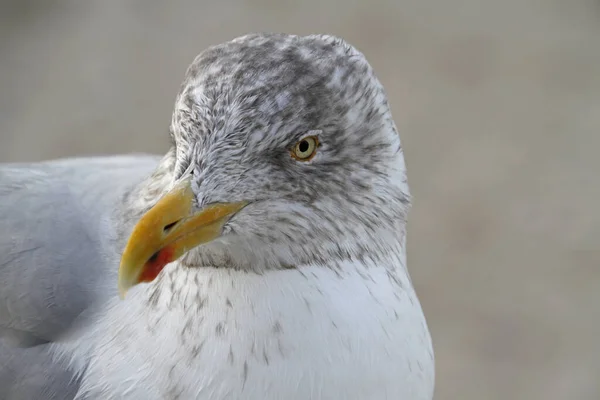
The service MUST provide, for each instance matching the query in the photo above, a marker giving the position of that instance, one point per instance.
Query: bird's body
(48, 280)
(301, 292)
(284, 334)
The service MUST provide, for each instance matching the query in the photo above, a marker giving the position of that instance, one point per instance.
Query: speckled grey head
(243, 105)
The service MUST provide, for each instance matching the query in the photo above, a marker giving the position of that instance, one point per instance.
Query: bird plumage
(305, 295)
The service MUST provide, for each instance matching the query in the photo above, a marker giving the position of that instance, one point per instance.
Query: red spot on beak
(156, 263)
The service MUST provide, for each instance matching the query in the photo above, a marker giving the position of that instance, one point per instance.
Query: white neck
(306, 333)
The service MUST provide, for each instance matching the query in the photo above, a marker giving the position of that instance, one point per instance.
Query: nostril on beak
(170, 226)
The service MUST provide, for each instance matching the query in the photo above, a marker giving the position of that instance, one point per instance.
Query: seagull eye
(305, 149)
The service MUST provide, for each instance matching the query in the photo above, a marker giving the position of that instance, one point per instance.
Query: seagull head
(284, 154)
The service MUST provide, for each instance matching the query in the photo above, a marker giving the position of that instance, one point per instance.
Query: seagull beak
(167, 231)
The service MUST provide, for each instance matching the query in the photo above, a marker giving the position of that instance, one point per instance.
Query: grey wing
(57, 256)
(32, 373)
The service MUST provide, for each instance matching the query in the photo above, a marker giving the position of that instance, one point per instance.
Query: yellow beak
(167, 232)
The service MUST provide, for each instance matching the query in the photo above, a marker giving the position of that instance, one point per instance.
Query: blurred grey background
(498, 103)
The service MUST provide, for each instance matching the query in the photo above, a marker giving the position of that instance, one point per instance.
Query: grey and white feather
(305, 295)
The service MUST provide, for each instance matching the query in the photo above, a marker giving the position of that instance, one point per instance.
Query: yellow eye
(305, 149)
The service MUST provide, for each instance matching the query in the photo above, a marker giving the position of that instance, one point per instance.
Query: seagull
(263, 257)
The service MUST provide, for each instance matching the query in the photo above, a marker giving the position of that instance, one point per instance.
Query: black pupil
(303, 146)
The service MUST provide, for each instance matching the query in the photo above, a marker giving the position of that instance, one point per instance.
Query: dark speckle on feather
(219, 329)
(230, 357)
(245, 372)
